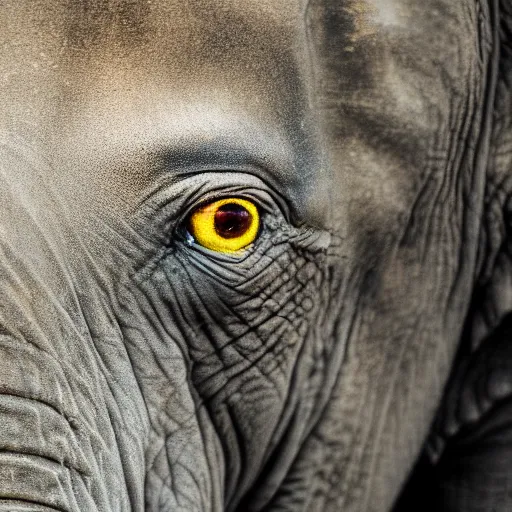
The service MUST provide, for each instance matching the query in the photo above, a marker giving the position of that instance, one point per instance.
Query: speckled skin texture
(356, 357)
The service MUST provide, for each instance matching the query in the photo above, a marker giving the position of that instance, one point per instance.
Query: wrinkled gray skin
(367, 327)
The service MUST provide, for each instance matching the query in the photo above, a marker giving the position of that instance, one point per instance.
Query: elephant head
(254, 255)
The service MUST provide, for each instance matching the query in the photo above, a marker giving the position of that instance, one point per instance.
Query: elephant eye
(226, 225)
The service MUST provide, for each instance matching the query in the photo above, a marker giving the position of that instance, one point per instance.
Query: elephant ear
(467, 463)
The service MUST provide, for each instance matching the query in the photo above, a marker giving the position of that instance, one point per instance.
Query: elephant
(255, 255)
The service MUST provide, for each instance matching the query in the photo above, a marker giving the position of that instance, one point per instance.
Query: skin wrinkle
(312, 425)
(63, 459)
(71, 323)
(27, 503)
(496, 175)
(491, 79)
(251, 329)
(252, 365)
(472, 430)
(191, 416)
(58, 363)
(380, 423)
(282, 426)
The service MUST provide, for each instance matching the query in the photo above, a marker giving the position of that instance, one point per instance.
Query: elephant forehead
(340, 97)
(124, 79)
(180, 36)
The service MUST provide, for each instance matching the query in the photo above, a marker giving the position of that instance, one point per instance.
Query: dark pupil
(232, 220)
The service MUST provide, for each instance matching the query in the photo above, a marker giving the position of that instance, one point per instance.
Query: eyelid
(265, 206)
(174, 194)
(170, 200)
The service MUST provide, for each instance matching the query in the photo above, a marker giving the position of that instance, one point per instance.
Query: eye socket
(226, 225)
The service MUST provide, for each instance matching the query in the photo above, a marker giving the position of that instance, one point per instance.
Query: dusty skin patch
(368, 18)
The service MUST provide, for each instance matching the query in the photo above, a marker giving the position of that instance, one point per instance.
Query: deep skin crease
(356, 356)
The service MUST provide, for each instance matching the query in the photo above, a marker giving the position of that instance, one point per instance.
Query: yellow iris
(226, 225)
